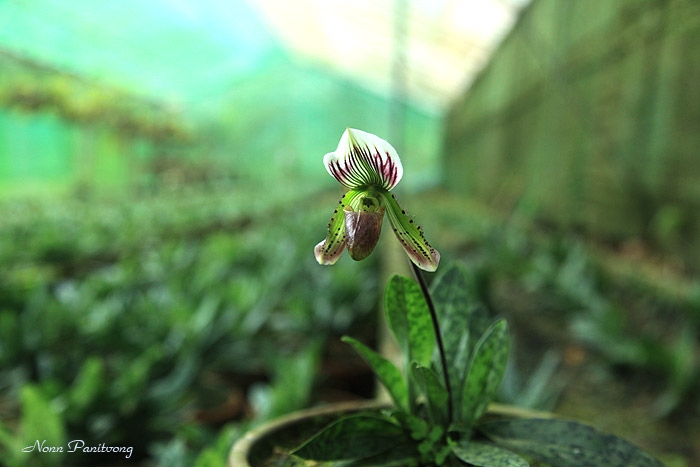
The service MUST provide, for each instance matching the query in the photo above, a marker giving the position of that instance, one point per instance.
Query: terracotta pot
(275, 438)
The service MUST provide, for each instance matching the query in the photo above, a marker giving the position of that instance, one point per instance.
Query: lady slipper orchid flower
(369, 167)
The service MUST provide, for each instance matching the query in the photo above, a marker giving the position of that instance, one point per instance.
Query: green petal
(409, 234)
(329, 250)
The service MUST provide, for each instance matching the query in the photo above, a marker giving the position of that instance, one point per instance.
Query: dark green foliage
(353, 437)
(409, 319)
(481, 454)
(486, 368)
(433, 389)
(388, 374)
(424, 425)
(462, 321)
(421, 431)
(563, 443)
(120, 321)
(39, 424)
(630, 313)
(402, 455)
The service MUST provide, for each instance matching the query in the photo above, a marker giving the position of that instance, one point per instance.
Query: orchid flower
(369, 167)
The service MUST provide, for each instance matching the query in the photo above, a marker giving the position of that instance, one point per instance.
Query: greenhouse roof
(446, 41)
(188, 52)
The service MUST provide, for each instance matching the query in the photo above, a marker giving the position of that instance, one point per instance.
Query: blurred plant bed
(68, 230)
(629, 263)
(625, 319)
(155, 321)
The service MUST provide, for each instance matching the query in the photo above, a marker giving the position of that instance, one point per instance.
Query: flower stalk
(438, 339)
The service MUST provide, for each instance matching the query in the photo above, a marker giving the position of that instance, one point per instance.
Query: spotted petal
(329, 250)
(363, 159)
(409, 234)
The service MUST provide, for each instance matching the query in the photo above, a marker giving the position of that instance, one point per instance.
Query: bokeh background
(161, 191)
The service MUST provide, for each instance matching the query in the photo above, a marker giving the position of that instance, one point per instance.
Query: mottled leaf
(458, 372)
(481, 454)
(409, 319)
(354, 437)
(402, 455)
(388, 374)
(486, 369)
(564, 443)
(434, 392)
(451, 295)
(480, 319)
(458, 307)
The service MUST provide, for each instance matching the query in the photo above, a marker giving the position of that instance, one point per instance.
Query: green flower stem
(438, 337)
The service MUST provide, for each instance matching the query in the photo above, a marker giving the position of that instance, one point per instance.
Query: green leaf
(354, 437)
(417, 426)
(458, 370)
(87, 384)
(291, 385)
(433, 444)
(486, 369)
(388, 374)
(215, 453)
(462, 319)
(434, 392)
(402, 455)
(455, 296)
(563, 443)
(409, 319)
(40, 423)
(487, 455)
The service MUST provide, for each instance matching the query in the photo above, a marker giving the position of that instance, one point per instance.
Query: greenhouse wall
(587, 116)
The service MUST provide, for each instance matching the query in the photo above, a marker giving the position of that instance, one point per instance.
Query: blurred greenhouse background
(162, 188)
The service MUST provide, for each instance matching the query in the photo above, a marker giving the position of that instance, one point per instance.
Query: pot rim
(238, 456)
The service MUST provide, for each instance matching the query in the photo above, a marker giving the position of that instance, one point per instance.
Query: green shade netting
(187, 52)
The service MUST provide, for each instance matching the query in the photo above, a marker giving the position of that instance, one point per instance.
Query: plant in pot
(454, 356)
